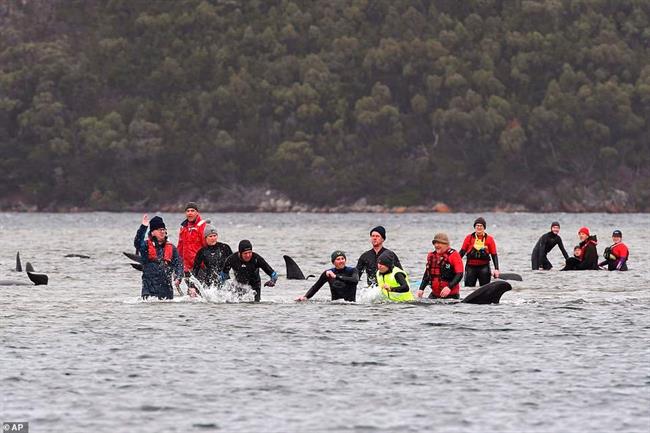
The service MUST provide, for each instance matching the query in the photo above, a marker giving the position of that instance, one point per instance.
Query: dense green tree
(106, 103)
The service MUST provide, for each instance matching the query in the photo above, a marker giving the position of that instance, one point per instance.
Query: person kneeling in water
(444, 270)
(246, 264)
(589, 254)
(342, 280)
(393, 282)
(573, 262)
(617, 254)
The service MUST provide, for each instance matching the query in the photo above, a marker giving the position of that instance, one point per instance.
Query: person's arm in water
(268, 270)
(466, 246)
(426, 278)
(458, 276)
(403, 287)
(495, 257)
(198, 260)
(177, 265)
(227, 266)
(315, 288)
(561, 245)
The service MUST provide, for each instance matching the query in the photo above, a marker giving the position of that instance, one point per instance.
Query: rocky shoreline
(287, 206)
(239, 199)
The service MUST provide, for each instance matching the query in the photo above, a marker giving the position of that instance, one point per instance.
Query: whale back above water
(488, 294)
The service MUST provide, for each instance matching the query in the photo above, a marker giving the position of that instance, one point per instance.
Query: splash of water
(369, 295)
(227, 292)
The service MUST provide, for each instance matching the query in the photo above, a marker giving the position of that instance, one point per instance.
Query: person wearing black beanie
(160, 260)
(368, 260)
(379, 230)
(616, 255)
(246, 265)
(544, 245)
(342, 280)
(392, 280)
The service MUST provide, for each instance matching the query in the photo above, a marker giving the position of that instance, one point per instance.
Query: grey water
(564, 351)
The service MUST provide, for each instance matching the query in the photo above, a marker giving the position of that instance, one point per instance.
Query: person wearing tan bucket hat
(444, 270)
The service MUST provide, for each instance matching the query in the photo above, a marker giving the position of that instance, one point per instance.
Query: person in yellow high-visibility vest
(393, 282)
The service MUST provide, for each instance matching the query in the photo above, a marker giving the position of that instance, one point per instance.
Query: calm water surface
(562, 352)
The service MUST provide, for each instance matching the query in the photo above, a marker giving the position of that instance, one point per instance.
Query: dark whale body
(488, 294)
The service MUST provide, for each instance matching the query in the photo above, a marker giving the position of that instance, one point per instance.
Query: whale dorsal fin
(293, 270)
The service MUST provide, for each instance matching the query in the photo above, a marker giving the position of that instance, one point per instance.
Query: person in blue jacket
(160, 259)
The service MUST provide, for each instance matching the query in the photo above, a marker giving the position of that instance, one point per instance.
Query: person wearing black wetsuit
(342, 280)
(246, 264)
(368, 260)
(210, 260)
(573, 262)
(544, 245)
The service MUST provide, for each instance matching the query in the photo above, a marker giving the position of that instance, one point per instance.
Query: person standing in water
(479, 247)
(246, 264)
(588, 253)
(544, 245)
(160, 259)
(368, 260)
(444, 270)
(393, 281)
(210, 260)
(190, 240)
(616, 255)
(342, 280)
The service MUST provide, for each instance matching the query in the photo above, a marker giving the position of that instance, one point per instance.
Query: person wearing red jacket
(444, 270)
(617, 254)
(190, 239)
(479, 247)
(588, 254)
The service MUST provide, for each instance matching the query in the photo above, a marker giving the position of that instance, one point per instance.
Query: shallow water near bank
(562, 352)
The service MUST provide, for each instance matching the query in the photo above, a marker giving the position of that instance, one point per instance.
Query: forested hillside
(541, 103)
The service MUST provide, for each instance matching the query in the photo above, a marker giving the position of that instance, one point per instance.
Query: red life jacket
(168, 252)
(479, 257)
(620, 250)
(440, 269)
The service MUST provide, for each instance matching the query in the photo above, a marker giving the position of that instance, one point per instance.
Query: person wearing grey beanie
(210, 260)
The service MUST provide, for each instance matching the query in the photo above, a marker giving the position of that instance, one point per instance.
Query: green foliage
(110, 102)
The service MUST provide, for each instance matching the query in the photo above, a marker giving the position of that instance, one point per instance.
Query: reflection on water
(562, 352)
